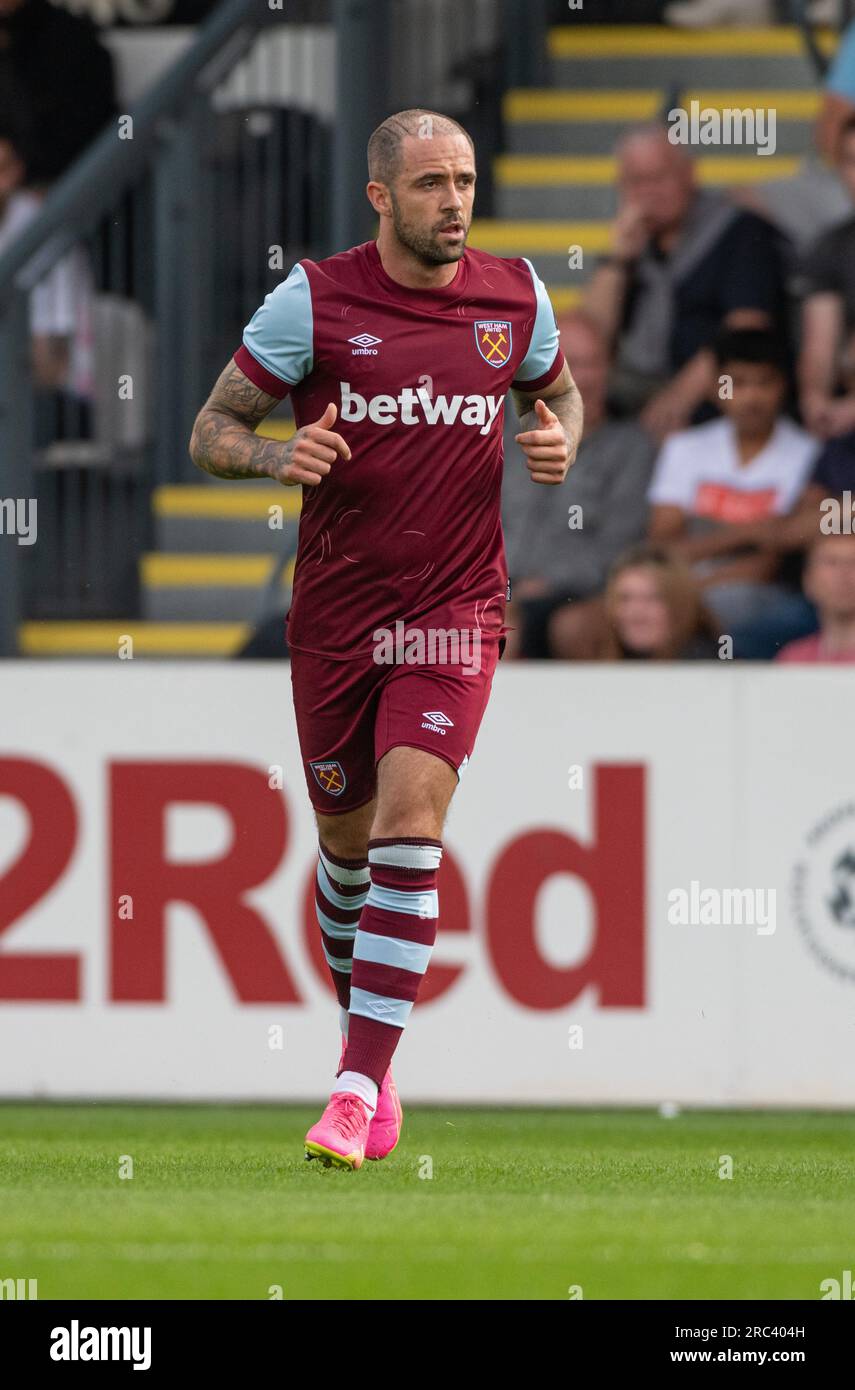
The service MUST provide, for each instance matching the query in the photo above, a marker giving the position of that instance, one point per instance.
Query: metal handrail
(801, 19)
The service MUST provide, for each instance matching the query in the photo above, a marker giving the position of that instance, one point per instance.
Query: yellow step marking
(563, 298)
(172, 571)
(526, 171)
(150, 639)
(653, 41)
(276, 429)
(615, 104)
(223, 502)
(525, 238)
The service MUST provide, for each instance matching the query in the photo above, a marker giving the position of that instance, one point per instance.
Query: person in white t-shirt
(751, 464)
(61, 303)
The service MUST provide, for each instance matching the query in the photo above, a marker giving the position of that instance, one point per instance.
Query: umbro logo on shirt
(434, 719)
(366, 345)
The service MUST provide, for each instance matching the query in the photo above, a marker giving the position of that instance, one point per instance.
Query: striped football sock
(393, 946)
(341, 889)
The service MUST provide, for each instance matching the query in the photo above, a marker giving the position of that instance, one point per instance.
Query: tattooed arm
(551, 432)
(225, 444)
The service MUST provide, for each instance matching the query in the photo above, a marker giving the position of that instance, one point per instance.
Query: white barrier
(156, 938)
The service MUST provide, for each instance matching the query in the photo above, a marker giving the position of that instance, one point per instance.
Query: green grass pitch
(521, 1204)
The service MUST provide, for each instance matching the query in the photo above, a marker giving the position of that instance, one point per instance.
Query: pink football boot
(340, 1136)
(384, 1131)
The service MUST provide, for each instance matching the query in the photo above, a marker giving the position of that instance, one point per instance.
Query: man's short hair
(13, 131)
(755, 345)
(384, 147)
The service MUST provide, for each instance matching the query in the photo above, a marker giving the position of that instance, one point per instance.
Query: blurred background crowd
(710, 513)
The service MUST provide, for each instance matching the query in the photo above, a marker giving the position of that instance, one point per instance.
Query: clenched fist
(547, 450)
(311, 453)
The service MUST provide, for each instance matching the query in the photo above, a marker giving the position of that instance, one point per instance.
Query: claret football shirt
(409, 528)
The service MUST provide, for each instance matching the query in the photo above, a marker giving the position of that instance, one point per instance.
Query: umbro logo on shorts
(435, 719)
(329, 775)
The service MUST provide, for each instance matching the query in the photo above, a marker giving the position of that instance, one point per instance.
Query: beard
(426, 246)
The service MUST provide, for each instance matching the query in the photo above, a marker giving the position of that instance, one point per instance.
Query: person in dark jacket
(58, 77)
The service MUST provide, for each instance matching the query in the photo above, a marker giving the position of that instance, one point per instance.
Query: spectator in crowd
(814, 199)
(828, 332)
(58, 77)
(652, 611)
(749, 465)
(561, 548)
(61, 303)
(828, 494)
(832, 479)
(829, 581)
(838, 103)
(685, 264)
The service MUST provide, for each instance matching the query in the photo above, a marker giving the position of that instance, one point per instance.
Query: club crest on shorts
(493, 340)
(329, 775)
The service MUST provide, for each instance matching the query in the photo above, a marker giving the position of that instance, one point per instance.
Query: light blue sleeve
(544, 337)
(280, 333)
(841, 74)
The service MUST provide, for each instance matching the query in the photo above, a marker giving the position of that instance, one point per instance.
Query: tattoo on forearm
(224, 442)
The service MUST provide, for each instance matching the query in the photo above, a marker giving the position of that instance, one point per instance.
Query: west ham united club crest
(329, 776)
(493, 339)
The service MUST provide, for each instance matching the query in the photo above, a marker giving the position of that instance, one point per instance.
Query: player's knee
(404, 810)
(413, 795)
(343, 838)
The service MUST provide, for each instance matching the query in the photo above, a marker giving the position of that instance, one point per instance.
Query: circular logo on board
(823, 892)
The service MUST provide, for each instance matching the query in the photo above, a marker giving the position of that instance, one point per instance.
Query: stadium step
(107, 639)
(624, 56)
(584, 186)
(555, 183)
(208, 587)
(225, 517)
(544, 121)
(548, 244)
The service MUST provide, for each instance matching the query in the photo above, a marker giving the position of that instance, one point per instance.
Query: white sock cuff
(355, 1084)
(424, 857)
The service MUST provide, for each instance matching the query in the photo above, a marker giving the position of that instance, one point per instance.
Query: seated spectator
(750, 465)
(829, 316)
(833, 476)
(827, 497)
(829, 581)
(60, 304)
(652, 611)
(686, 263)
(561, 546)
(58, 77)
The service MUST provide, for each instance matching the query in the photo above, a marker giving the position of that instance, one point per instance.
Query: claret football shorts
(350, 713)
